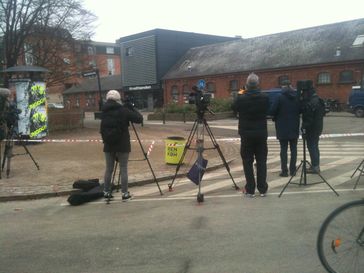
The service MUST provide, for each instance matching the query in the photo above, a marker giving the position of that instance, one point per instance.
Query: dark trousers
(254, 148)
(284, 158)
(312, 142)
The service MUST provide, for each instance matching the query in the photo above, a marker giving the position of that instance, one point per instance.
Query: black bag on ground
(86, 185)
(78, 198)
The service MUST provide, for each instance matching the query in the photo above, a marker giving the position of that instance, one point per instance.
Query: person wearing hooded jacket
(119, 151)
(285, 112)
(252, 107)
(313, 112)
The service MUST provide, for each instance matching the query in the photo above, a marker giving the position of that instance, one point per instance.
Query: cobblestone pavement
(78, 155)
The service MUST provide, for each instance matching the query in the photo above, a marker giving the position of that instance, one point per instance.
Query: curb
(36, 196)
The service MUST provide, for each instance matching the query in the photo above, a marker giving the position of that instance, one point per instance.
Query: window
(90, 50)
(110, 66)
(281, 79)
(109, 50)
(186, 93)
(359, 41)
(28, 54)
(324, 78)
(210, 87)
(346, 76)
(234, 85)
(174, 93)
(129, 51)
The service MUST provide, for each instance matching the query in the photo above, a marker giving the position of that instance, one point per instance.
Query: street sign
(201, 84)
(89, 74)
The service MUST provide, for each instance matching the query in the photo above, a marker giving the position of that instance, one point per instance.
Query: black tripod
(202, 123)
(8, 152)
(145, 158)
(360, 168)
(303, 179)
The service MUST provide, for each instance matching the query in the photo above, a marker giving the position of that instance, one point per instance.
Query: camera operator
(313, 111)
(252, 107)
(115, 120)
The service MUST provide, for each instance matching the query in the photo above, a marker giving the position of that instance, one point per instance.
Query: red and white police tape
(160, 140)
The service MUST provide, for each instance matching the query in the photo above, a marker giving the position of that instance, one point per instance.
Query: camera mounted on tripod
(201, 99)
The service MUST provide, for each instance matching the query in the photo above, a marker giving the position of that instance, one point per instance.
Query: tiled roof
(310, 46)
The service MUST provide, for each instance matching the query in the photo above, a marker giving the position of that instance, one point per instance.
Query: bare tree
(44, 31)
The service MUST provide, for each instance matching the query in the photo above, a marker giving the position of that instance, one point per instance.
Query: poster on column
(31, 100)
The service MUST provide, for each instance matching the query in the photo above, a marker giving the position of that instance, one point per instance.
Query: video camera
(200, 99)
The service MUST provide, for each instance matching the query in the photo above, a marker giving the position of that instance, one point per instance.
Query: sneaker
(313, 170)
(108, 195)
(126, 196)
(283, 174)
(249, 195)
(263, 194)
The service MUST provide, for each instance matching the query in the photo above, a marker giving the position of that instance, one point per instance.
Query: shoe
(313, 170)
(263, 194)
(283, 174)
(249, 195)
(108, 195)
(126, 196)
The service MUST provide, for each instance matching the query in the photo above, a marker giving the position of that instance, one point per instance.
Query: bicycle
(340, 242)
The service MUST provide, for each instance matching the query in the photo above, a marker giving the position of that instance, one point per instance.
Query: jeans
(254, 147)
(110, 159)
(313, 148)
(284, 158)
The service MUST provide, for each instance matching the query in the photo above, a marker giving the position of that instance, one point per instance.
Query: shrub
(216, 105)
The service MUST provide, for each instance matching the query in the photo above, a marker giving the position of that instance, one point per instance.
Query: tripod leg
(30, 155)
(358, 168)
(146, 157)
(289, 181)
(187, 146)
(357, 180)
(216, 145)
(323, 179)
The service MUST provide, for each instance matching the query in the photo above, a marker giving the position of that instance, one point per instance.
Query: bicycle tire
(340, 243)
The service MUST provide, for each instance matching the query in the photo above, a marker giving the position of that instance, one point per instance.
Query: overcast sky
(119, 18)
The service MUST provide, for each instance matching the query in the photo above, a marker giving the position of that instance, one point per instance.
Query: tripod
(145, 158)
(8, 151)
(202, 123)
(360, 168)
(303, 178)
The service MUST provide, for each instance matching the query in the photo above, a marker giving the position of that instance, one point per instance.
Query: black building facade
(147, 56)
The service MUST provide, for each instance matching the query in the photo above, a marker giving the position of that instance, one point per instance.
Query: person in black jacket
(285, 112)
(252, 108)
(119, 116)
(313, 112)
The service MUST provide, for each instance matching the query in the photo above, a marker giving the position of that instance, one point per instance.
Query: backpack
(110, 130)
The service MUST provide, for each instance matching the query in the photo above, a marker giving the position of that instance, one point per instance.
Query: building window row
(346, 76)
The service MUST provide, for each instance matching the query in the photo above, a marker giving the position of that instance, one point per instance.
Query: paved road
(174, 233)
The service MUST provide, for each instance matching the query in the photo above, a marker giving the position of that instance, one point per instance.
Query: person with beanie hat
(114, 130)
(252, 107)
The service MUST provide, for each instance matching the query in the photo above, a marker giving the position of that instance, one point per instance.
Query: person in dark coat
(285, 112)
(252, 108)
(313, 112)
(113, 110)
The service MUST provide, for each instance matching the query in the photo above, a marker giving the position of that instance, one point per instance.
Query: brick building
(87, 56)
(332, 56)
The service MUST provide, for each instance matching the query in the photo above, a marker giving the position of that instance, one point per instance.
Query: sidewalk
(78, 155)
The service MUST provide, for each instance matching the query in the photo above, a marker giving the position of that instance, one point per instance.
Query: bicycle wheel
(340, 242)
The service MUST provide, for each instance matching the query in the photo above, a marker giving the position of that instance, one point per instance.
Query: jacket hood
(110, 105)
(289, 93)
